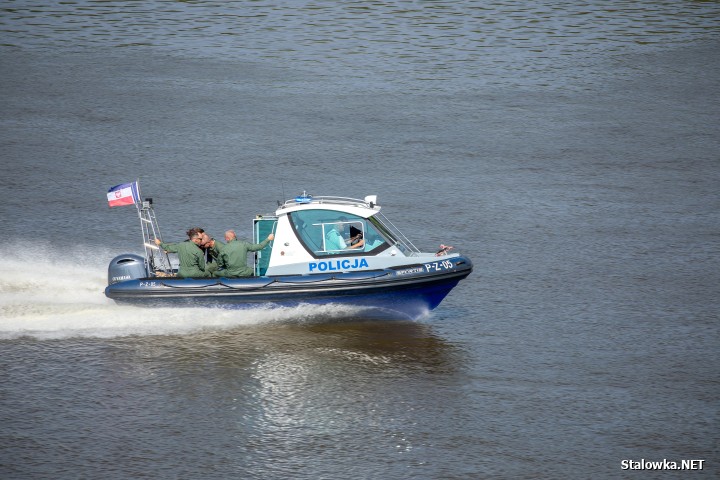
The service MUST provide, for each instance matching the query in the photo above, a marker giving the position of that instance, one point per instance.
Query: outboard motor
(127, 266)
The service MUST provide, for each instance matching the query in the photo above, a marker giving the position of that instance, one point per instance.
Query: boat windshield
(394, 236)
(328, 232)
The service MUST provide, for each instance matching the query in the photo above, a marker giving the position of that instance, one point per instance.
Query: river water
(570, 150)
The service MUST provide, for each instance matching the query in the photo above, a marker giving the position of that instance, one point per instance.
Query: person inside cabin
(232, 258)
(334, 237)
(369, 240)
(191, 257)
(356, 237)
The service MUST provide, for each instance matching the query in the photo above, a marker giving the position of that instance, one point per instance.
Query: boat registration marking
(148, 284)
(438, 266)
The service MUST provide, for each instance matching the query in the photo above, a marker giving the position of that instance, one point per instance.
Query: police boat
(326, 250)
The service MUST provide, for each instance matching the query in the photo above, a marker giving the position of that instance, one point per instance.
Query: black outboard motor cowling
(127, 266)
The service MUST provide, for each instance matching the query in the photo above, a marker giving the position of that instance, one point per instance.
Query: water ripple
(391, 41)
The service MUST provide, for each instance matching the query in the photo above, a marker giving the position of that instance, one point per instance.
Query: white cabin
(331, 234)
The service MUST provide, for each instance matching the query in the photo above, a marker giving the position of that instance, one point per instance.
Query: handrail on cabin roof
(301, 199)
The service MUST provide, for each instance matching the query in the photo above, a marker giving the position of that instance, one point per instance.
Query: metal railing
(155, 258)
(301, 199)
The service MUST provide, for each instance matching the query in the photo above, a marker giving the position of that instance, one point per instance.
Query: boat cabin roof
(364, 208)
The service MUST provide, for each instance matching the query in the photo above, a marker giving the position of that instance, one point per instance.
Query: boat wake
(60, 297)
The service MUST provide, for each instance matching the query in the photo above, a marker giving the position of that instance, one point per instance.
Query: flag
(123, 194)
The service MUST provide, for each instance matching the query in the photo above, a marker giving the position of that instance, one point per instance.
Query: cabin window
(328, 232)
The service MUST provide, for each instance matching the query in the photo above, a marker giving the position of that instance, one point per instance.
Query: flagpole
(149, 229)
(139, 206)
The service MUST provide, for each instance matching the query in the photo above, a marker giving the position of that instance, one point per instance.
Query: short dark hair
(194, 231)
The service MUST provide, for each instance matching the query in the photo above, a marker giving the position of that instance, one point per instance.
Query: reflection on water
(375, 346)
(255, 399)
(443, 42)
(310, 390)
(290, 373)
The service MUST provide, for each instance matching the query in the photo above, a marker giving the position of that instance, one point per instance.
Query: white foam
(61, 297)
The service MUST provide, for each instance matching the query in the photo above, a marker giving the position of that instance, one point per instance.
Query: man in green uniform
(192, 260)
(211, 250)
(233, 256)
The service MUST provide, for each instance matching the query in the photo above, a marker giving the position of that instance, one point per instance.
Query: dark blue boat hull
(406, 292)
